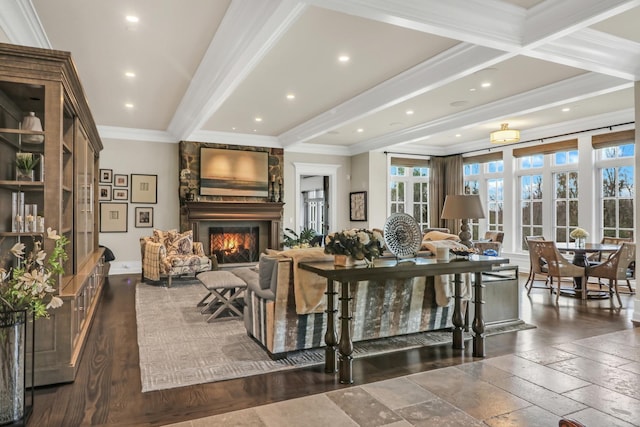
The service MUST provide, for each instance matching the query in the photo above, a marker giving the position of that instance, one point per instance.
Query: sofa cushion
(266, 268)
(250, 277)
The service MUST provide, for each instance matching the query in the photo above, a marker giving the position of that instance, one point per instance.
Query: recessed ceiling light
(409, 112)
(132, 18)
(486, 84)
(360, 130)
(459, 103)
(344, 58)
(565, 109)
(291, 96)
(458, 135)
(128, 105)
(258, 119)
(130, 74)
(473, 89)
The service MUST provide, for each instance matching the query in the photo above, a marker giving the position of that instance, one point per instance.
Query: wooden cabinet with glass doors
(60, 193)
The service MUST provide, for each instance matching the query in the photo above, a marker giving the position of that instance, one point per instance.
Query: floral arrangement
(579, 233)
(358, 243)
(30, 284)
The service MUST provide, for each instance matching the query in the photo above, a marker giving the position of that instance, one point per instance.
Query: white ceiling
(206, 69)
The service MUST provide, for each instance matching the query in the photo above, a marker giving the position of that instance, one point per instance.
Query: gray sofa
(392, 308)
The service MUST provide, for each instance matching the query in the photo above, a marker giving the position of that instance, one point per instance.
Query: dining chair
(537, 266)
(558, 266)
(598, 257)
(615, 268)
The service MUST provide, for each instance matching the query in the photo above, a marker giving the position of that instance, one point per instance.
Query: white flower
(578, 233)
(364, 237)
(52, 234)
(55, 302)
(18, 250)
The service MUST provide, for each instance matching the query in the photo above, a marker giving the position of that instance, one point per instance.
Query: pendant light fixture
(504, 135)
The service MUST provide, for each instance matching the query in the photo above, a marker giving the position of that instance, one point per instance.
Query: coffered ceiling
(422, 76)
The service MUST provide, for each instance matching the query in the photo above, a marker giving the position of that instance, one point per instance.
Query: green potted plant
(25, 165)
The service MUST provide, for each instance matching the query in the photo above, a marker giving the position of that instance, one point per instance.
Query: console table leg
(458, 322)
(478, 320)
(346, 345)
(330, 337)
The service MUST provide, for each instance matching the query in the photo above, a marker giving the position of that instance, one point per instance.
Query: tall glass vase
(13, 344)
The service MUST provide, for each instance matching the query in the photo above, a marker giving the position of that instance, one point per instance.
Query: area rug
(179, 348)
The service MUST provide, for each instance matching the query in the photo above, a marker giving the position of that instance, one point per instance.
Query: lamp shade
(462, 206)
(504, 135)
(31, 122)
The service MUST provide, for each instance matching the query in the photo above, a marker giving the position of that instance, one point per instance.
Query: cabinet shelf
(22, 234)
(22, 185)
(16, 143)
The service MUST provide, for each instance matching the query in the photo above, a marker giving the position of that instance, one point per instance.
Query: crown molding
(594, 51)
(247, 32)
(21, 24)
(133, 134)
(553, 19)
(548, 132)
(490, 23)
(232, 138)
(325, 149)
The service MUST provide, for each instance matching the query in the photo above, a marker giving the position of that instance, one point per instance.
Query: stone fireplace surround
(205, 214)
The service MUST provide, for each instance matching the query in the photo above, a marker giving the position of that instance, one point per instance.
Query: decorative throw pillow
(181, 243)
(433, 245)
(439, 235)
(266, 268)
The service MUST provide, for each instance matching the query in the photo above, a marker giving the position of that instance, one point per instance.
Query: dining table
(580, 258)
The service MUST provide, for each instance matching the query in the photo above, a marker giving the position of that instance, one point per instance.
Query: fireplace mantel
(205, 212)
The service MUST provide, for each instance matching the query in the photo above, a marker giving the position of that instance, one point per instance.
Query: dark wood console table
(391, 269)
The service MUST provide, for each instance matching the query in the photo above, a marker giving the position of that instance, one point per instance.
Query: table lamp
(464, 207)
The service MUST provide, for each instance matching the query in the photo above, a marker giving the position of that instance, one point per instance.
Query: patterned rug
(179, 348)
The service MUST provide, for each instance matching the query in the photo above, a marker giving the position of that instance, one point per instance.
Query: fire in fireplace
(233, 245)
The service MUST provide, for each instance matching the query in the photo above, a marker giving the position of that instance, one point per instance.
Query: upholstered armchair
(170, 254)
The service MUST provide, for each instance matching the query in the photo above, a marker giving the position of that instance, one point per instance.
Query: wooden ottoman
(225, 288)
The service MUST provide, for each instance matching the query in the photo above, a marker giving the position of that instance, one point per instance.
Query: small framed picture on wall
(358, 206)
(104, 193)
(106, 175)
(144, 217)
(120, 180)
(120, 194)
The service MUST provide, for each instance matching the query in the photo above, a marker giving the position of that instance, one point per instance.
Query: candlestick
(280, 192)
(272, 193)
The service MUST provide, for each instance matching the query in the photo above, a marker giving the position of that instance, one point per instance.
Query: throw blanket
(445, 288)
(308, 287)
(151, 265)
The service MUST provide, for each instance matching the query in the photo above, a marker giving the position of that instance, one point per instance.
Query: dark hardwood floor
(107, 388)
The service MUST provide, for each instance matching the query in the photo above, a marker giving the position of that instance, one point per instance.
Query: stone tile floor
(595, 381)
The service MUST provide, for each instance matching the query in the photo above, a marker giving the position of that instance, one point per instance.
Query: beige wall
(127, 157)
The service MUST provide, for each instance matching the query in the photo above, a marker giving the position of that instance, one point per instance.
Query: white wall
(153, 158)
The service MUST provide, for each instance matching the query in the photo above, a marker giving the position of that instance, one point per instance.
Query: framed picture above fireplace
(225, 172)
